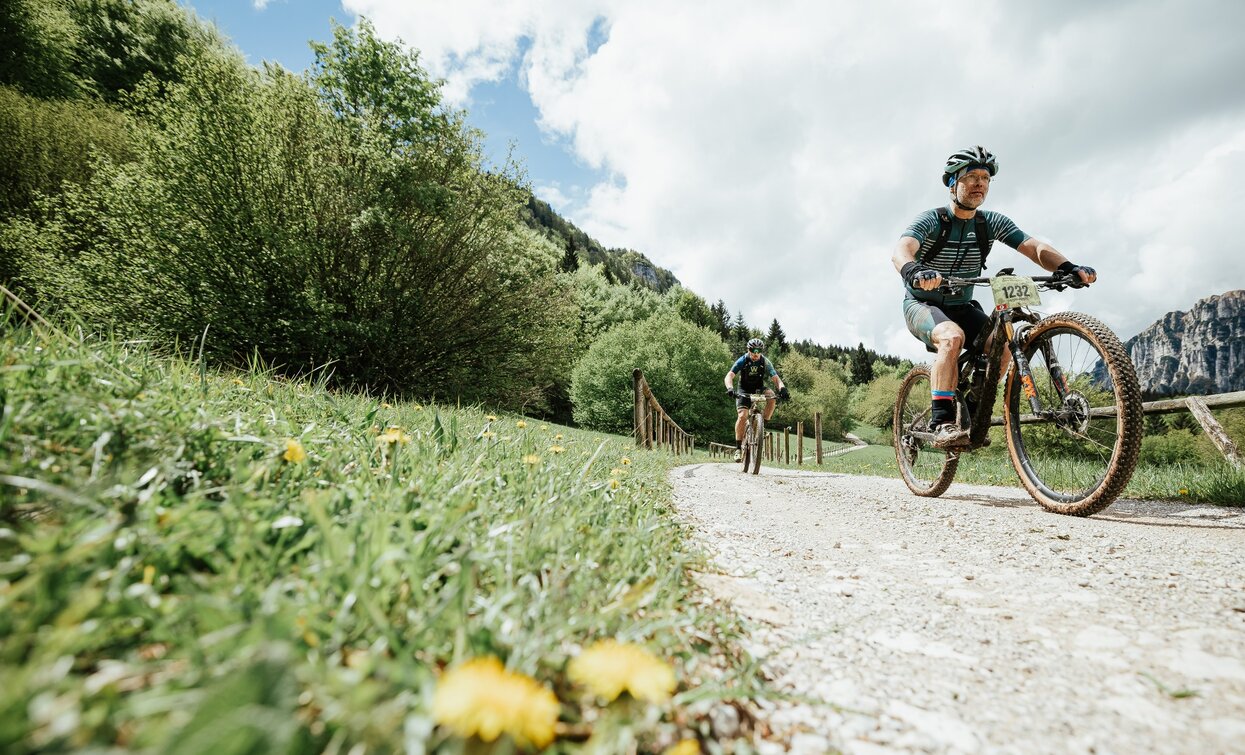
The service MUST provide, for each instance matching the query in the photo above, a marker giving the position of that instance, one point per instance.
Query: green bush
(682, 363)
(46, 144)
(813, 390)
(284, 223)
(874, 403)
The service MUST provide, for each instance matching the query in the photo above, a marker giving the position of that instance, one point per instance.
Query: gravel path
(978, 622)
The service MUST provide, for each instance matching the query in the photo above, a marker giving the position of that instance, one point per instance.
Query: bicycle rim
(1078, 460)
(926, 470)
(757, 435)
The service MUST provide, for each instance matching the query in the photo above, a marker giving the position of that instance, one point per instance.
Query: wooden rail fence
(653, 428)
(1200, 407)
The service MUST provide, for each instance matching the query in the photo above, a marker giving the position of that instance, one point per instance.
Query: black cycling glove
(730, 392)
(784, 394)
(1072, 270)
(914, 273)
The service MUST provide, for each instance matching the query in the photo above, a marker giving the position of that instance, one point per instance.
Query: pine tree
(740, 329)
(570, 260)
(724, 320)
(862, 366)
(776, 341)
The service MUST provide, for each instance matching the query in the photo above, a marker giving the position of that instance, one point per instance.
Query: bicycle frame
(1004, 330)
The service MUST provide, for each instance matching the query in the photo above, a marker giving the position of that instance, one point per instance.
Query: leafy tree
(681, 362)
(602, 305)
(862, 366)
(38, 47)
(812, 390)
(692, 308)
(874, 404)
(123, 41)
(776, 340)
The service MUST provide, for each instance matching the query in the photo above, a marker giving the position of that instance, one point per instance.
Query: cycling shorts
(922, 317)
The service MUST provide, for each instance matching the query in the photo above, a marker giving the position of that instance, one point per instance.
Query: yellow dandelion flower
(491, 418)
(392, 435)
(558, 436)
(480, 698)
(488, 434)
(294, 451)
(685, 747)
(238, 381)
(384, 405)
(614, 484)
(610, 668)
(625, 461)
(544, 428)
(615, 472)
(556, 449)
(1184, 491)
(520, 424)
(531, 459)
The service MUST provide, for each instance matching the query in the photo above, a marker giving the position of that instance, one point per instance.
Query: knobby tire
(926, 470)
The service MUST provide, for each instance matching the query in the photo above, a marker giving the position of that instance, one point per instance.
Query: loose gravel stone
(977, 621)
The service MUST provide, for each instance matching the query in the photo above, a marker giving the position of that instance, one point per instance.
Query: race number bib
(1014, 291)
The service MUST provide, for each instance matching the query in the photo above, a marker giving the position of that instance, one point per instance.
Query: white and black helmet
(976, 156)
(756, 343)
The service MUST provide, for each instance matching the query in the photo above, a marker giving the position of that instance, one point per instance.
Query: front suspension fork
(1022, 366)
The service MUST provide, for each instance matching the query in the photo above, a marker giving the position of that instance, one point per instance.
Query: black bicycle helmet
(976, 156)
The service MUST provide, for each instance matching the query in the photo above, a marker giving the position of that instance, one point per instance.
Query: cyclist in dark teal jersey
(947, 324)
(753, 369)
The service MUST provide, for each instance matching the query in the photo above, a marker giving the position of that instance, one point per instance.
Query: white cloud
(771, 153)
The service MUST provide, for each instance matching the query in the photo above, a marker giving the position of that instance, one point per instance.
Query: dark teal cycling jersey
(961, 256)
(752, 374)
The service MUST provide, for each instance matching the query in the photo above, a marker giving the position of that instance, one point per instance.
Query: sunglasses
(755, 351)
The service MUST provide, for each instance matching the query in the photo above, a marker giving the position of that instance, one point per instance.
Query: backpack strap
(981, 228)
(983, 237)
(944, 230)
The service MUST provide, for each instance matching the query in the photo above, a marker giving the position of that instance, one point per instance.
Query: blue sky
(280, 32)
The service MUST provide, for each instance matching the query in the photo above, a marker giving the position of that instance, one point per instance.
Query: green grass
(170, 565)
(1215, 483)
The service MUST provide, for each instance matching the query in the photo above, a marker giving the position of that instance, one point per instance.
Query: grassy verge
(203, 562)
(1216, 483)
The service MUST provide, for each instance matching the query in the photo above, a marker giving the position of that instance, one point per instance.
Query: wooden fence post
(1214, 430)
(817, 429)
(799, 442)
(786, 443)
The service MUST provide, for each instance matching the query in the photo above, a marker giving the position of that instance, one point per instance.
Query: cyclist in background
(753, 368)
(954, 241)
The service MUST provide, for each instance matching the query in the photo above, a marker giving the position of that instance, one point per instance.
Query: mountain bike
(1072, 411)
(754, 429)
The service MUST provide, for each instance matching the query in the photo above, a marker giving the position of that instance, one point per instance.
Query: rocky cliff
(1196, 352)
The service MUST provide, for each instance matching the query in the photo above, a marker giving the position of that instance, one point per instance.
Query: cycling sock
(942, 410)
(739, 444)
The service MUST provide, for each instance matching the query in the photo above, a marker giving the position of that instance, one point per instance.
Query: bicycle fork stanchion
(1022, 365)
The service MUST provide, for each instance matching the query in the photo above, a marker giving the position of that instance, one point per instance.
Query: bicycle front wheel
(1078, 453)
(926, 470)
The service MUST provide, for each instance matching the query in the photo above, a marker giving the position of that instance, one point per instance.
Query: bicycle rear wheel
(926, 470)
(1079, 454)
(758, 436)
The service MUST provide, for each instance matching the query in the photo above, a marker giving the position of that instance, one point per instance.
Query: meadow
(200, 560)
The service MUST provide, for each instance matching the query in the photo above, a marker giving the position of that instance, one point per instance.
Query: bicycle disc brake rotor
(1074, 414)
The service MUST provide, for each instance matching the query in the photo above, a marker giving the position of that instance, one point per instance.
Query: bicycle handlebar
(1058, 282)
